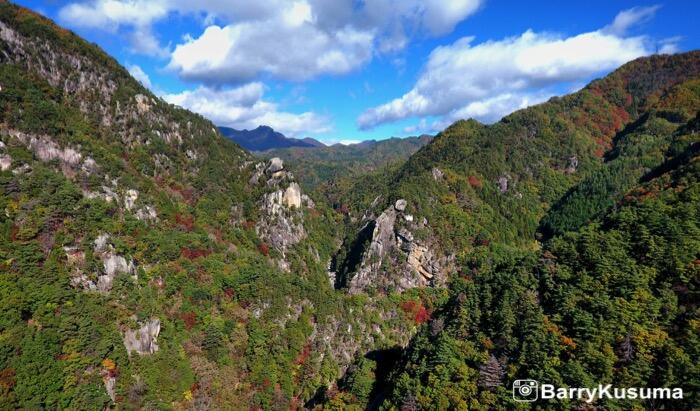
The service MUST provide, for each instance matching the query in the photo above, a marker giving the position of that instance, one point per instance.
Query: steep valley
(148, 262)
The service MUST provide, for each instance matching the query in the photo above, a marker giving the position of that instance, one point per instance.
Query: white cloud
(292, 40)
(344, 142)
(631, 17)
(144, 42)
(491, 79)
(303, 39)
(243, 107)
(286, 48)
(669, 45)
(140, 75)
(110, 15)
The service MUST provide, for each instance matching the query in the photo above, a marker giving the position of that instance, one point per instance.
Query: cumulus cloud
(111, 15)
(293, 40)
(287, 48)
(491, 79)
(243, 107)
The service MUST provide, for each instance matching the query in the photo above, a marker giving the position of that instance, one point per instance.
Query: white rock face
(281, 225)
(292, 196)
(5, 162)
(130, 198)
(46, 150)
(89, 166)
(144, 340)
(110, 383)
(113, 263)
(147, 213)
(503, 184)
(382, 241)
(400, 205)
(142, 103)
(101, 243)
(381, 266)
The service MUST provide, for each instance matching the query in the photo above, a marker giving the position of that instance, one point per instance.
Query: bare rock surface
(143, 341)
(281, 224)
(394, 258)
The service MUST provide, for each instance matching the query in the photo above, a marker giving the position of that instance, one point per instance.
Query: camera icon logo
(525, 390)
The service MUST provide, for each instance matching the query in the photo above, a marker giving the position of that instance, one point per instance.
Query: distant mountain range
(265, 138)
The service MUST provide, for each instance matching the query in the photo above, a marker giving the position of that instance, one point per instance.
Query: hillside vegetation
(148, 262)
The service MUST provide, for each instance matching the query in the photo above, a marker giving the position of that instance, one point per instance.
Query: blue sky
(351, 70)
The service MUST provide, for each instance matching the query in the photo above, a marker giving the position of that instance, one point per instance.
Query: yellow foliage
(108, 364)
(187, 395)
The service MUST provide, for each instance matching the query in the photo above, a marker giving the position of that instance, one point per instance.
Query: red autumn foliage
(228, 292)
(190, 319)
(7, 378)
(194, 253)
(186, 222)
(187, 194)
(303, 355)
(475, 182)
(423, 315)
(416, 310)
(408, 306)
(294, 403)
(13, 232)
(264, 249)
(248, 224)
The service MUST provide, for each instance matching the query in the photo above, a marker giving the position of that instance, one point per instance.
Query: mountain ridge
(148, 262)
(265, 138)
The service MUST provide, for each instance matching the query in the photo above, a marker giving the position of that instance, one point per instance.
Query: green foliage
(611, 297)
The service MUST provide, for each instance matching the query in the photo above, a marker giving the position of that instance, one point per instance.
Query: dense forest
(331, 168)
(148, 262)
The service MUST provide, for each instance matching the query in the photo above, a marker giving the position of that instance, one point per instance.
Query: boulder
(400, 205)
(276, 164)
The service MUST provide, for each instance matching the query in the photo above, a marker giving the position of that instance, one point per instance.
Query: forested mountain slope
(325, 167)
(614, 302)
(145, 260)
(607, 180)
(474, 185)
